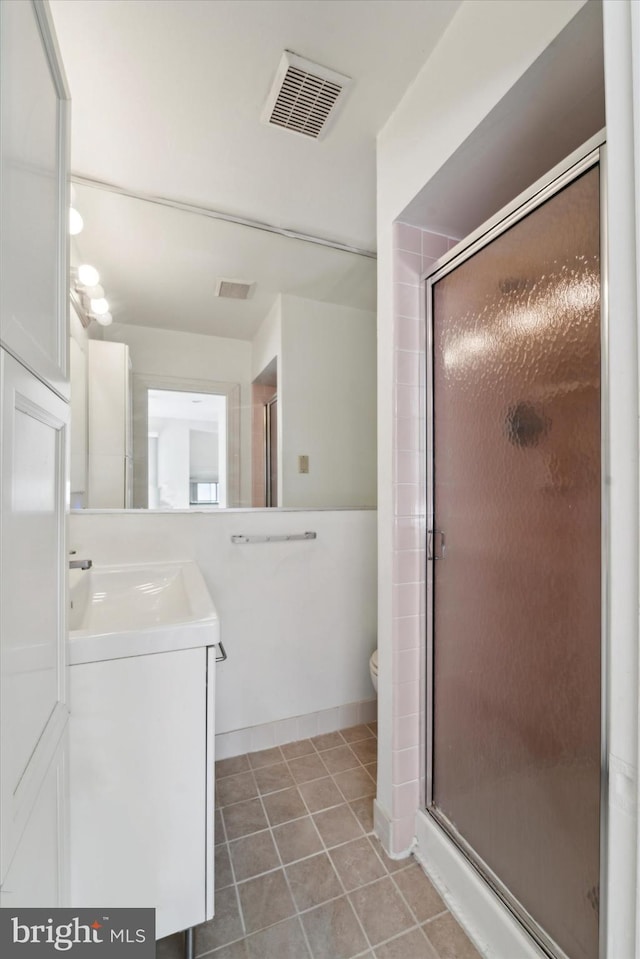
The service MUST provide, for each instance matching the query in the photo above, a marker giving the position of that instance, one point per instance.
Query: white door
(33, 450)
(34, 193)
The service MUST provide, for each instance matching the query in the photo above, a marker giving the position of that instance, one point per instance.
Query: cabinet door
(32, 592)
(33, 193)
(138, 741)
(37, 875)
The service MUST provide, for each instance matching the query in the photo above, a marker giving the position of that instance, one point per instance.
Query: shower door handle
(435, 544)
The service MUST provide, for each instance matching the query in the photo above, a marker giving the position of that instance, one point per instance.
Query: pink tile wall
(414, 251)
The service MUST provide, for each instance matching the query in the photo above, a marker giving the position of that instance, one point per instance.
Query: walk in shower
(514, 634)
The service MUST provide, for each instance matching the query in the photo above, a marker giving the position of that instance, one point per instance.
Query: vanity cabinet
(142, 806)
(109, 425)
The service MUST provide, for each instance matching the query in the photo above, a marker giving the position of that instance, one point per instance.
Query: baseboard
(486, 920)
(382, 825)
(251, 738)
(393, 833)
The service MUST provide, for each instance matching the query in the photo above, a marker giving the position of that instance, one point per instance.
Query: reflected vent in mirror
(304, 97)
(234, 289)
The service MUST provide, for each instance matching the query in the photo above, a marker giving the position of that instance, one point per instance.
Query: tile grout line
(285, 759)
(347, 893)
(270, 828)
(233, 871)
(328, 855)
(365, 885)
(327, 852)
(299, 913)
(286, 878)
(322, 845)
(387, 873)
(325, 848)
(344, 888)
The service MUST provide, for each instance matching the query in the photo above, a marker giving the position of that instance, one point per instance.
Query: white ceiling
(172, 404)
(166, 101)
(159, 267)
(167, 96)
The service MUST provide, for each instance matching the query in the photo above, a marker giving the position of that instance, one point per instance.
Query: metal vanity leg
(188, 943)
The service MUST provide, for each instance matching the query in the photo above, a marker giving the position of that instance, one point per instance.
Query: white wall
(327, 401)
(173, 464)
(298, 619)
(186, 355)
(266, 343)
(486, 48)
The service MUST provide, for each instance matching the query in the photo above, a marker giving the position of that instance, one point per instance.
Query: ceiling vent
(304, 97)
(234, 289)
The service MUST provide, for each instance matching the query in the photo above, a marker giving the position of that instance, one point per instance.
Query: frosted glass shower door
(517, 594)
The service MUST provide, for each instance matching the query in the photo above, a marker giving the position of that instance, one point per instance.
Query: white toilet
(373, 669)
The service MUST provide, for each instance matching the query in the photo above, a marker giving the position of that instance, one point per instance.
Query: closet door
(33, 193)
(33, 458)
(32, 616)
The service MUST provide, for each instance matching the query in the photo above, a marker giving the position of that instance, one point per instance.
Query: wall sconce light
(88, 275)
(76, 223)
(88, 296)
(99, 306)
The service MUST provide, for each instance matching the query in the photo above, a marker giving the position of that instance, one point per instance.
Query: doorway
(264, 440)
(187, 454)
(271, 451)
(515, 574)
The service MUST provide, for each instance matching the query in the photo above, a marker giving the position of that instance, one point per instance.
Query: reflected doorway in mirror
(187, 449)
(186, 443)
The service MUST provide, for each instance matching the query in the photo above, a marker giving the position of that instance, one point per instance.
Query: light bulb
(95, 292)
(88, 275)
(76, 222)
(99, 306)
(104, 319)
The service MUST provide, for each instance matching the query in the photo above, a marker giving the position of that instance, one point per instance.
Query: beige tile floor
(299, 873)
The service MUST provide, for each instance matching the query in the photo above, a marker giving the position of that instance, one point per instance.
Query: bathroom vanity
(142, 650)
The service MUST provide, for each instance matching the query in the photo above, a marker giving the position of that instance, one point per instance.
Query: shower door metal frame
(592, 153)
(268, 451)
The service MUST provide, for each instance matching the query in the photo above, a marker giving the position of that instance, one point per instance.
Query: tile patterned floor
(299, 873)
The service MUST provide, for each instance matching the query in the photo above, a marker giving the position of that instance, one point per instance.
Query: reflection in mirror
(186, 433)
(239, 369)
(187, 449)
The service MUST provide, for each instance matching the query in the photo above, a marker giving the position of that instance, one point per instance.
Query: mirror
(239, 369)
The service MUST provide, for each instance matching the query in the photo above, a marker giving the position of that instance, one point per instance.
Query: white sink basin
(119, 611)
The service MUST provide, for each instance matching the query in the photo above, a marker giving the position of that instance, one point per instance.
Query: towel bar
(282, 538)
